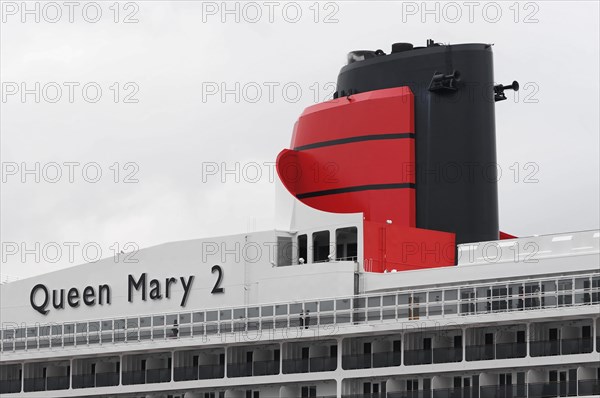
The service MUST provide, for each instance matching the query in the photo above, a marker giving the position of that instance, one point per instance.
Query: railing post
(527, 339)
(464, 344)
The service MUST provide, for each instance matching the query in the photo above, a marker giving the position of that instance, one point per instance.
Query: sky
(126, 125)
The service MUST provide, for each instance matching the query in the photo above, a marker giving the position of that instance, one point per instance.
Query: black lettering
(61, 303)
(168, 287)
(155, 289)
(186, 288)
(73, 297)
(89, 296)
(39, 308)
(141, 283)
(101, 289)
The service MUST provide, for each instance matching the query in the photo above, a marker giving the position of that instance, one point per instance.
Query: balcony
(104, 379)
(34, 384)
(10, 386)
(295, 366)
(576, 346)
(239, 369)
(552, 389)
(418, 357)
(185, 373)
(480, 352)
(84, 381)
(201, 372)
(356, 361)
(504, 391)
(511, 350)
(58, 383)
(589, 387)
(447, 354)
(316, 364)
(323, 364)
(158, 375)
(498, 351)
(465, 392)
(107, 379)
(134, 377)
(211, 372)
(263, 368)
(410, 394)
(385, 359)
(558, 347)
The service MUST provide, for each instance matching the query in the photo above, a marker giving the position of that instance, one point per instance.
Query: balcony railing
(457, 301)
(58, 382)
(418, 357)
(410, 394)
(495, 351)
(503, 391)
(356, 361)
(385, 359)
(211, 372)
(158, 375)
(589, 387)
(447, 354)
(84, 381)
(34, 384)
(201, 372)
(560, 347)
(323, 364)
(134, 377)
(511, 350)
(576, 346)
(464, 392)
(480, 352)
(262, 368)
(10, 386)
(295, 365)
(107, 379)
(239, 369)
(315, 364)
(552, 389)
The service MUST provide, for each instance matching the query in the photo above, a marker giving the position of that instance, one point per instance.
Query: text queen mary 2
(388, 275)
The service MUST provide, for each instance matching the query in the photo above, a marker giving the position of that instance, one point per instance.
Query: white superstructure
(514, 318)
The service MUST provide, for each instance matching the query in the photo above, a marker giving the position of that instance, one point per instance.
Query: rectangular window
(346, 240)
(302, 249)
(284, 251)
(321, 251)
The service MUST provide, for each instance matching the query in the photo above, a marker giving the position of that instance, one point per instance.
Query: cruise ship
(391, 278)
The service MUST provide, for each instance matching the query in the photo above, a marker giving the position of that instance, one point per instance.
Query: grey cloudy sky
(161, 120)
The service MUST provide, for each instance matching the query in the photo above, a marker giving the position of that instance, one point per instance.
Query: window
(302, 249)
(320, 241)
(284, 251)
(346, 244)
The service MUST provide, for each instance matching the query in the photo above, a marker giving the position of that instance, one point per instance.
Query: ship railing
(589, 387)
(496, 351)
(10, 386)
(315, 317)
(561, 347)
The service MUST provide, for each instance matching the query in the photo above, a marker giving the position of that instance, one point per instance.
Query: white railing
(406, 305)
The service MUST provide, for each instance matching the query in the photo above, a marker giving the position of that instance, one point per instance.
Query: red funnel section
(357, 154)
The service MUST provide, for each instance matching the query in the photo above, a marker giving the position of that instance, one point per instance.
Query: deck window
(320, 246)
(346, 244)
(302, 248)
